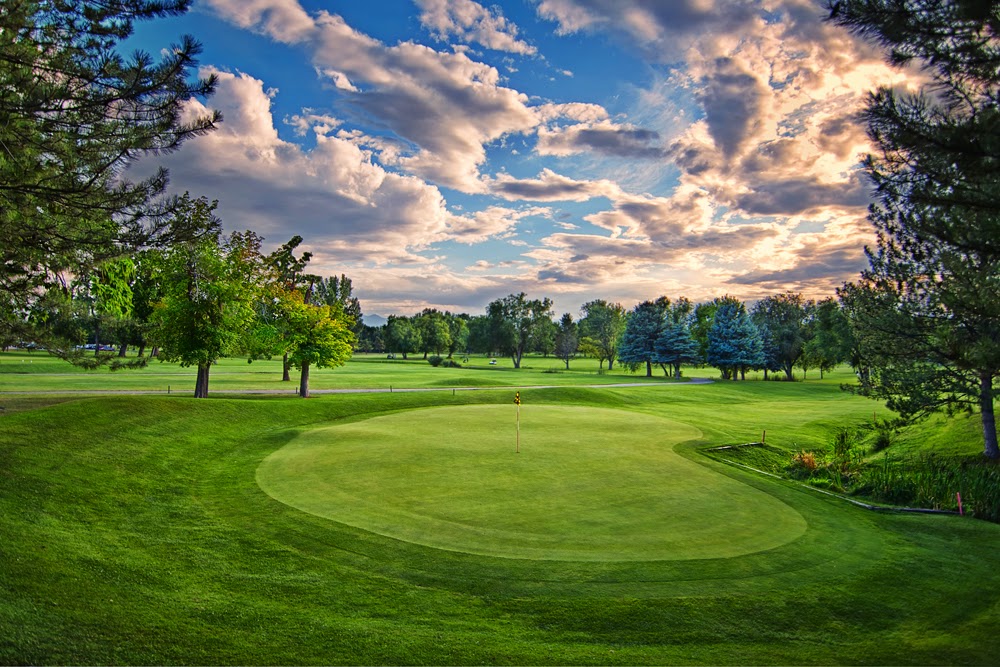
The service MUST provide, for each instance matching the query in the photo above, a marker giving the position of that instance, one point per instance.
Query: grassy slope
(132, 531)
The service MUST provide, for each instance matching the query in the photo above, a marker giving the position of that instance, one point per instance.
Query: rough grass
(133, 531)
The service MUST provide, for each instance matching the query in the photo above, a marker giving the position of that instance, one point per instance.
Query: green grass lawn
(589, 484)
(168, 530)
(37, 371)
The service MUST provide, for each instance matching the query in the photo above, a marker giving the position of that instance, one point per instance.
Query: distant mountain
(373, 320)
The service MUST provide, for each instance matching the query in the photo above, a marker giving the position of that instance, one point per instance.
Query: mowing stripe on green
(588, 485)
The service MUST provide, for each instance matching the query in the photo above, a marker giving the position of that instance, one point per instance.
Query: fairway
(588, 484)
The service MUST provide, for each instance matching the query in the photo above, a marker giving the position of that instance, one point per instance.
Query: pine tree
(675, 346)
(74, 113)
(926, 312)
(734, 344)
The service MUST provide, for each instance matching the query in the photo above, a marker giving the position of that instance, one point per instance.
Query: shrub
(435, 360)
(803, 464)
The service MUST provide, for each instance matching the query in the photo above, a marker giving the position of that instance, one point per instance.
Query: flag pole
(517, 402)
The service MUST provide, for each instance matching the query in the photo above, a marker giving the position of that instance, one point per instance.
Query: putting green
(588, 485)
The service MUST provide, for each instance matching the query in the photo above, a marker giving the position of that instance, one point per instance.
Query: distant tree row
(777, 334)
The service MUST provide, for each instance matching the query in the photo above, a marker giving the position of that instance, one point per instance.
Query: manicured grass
(133, 530)
(37, 371)
(589, 484)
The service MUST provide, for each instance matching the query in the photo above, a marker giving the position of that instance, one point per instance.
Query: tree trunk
(304, 381)
(201, 385)
(765, 375)
(990, 449)
(649, 368)
(788, 373)
(677, 371)
(516, 358)
(155, 352)
(285, 374)
(122, 350)
(567, 362)
(142, 349)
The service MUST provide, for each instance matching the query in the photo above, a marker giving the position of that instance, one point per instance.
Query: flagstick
(518, 449)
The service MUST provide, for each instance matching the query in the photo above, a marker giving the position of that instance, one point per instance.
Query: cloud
(660, 30)
(550, 187)
(346, 206)
(446, 106)
(606, 138)
(471, 22)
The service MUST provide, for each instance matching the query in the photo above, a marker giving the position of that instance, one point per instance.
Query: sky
(446, 153)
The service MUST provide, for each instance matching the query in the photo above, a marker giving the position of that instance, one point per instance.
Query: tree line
(776, 334)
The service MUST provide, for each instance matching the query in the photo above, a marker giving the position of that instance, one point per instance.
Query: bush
(932, 482)
(435, 360)
(803, 464)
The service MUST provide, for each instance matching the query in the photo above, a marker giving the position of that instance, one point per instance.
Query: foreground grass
(132, 531)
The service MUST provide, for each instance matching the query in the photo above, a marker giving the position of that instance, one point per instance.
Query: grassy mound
(589, 484)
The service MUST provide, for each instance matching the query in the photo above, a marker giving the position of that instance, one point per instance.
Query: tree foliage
(927, 310)
(601, 328)
(74, 113)
(514, 323)
(734, 344)
(643, 327)
(567, 339)
(207, 295)
(318, 336)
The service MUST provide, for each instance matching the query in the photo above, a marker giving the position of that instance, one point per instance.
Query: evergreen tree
(676, 346)
(567, 339)
(734, 344)
(76, 114)
(642, 329)
(926, 312)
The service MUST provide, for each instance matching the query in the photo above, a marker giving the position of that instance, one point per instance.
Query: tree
(458, 333)
(643, 327)
(318, 336)
(676, 346)
(781, 319)
(339, 293)
(78, 113)
(567, 339)
(601, 328)
(927, 310)
(207, 296)
(734, 343)
(832, 342)
(401, 336)
(514, 323)
(480, 335)
(544, 340)
(435, 332)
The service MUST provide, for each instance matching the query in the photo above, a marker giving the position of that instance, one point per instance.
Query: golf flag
(517, 398)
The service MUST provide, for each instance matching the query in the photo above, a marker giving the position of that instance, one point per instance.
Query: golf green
(587, 485)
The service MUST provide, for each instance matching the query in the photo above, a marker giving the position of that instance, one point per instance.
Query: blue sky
(446, 153)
